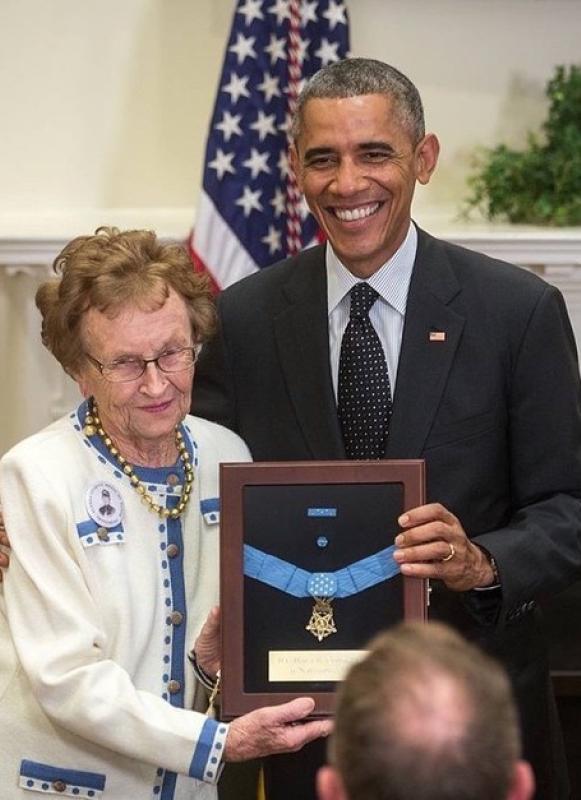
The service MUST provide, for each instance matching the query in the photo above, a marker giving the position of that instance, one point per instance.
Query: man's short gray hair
(360, 76)
(425, 716)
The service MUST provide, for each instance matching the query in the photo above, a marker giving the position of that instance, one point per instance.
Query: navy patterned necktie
(364, 393)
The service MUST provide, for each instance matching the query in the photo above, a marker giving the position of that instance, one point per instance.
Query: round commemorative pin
(104, 504)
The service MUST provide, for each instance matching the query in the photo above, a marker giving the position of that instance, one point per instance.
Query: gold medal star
(321, 623)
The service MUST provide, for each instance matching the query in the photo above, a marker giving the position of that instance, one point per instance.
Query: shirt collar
(391, 281)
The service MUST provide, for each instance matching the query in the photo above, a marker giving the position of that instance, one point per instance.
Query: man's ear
(523, 782)
(427, 152)
(329, 785)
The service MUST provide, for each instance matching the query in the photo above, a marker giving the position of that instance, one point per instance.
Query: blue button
(322, 542)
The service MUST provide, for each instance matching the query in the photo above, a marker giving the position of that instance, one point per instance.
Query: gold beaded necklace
(92, 426)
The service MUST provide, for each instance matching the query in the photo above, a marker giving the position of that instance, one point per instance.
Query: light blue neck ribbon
(297, 582)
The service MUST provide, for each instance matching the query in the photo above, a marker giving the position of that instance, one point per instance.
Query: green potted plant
(542, 184)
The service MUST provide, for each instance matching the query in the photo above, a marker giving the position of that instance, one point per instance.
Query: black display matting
(276, 521)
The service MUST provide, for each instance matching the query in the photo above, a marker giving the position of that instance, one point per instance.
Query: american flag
(250, 213)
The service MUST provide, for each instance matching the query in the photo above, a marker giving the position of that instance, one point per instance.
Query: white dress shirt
(387, 315)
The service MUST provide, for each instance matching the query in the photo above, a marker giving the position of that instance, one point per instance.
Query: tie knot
(363, 296)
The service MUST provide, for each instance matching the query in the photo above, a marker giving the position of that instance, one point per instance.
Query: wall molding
(27, 254)
(535, 248)
(28, 240)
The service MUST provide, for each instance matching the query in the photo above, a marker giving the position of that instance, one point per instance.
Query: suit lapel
(425, 360)
(302, 338)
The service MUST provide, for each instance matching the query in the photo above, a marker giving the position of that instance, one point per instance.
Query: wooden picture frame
(304, 520)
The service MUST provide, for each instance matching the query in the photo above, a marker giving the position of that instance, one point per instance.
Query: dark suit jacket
(494, 410)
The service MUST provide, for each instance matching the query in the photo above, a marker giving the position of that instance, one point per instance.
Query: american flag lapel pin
(437, 336)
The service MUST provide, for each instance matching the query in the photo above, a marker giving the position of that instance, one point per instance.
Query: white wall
(105, 105)
(481, 67)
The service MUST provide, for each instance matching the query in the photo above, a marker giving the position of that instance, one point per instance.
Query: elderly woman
(113, 518)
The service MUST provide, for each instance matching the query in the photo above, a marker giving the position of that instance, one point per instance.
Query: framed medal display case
(307, 575)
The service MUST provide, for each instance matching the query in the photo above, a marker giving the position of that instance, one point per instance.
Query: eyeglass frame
(195, 349)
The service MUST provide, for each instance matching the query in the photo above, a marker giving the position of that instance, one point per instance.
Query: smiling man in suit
(389, 343)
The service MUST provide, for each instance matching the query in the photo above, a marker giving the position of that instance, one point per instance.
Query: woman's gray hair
(359, 76)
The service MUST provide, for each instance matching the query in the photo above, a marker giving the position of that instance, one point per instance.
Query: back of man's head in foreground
(425, 716)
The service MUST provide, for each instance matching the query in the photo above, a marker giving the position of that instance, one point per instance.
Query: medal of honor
(321, 623)
(322, 587)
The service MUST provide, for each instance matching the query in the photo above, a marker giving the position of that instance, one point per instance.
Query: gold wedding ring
(451, 554)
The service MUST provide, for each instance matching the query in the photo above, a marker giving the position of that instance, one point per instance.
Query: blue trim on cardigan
(212, 504)
(178, 594)
(46, 772)
(89, 526)
(147, 475)
(169, 785)
(203, 749)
